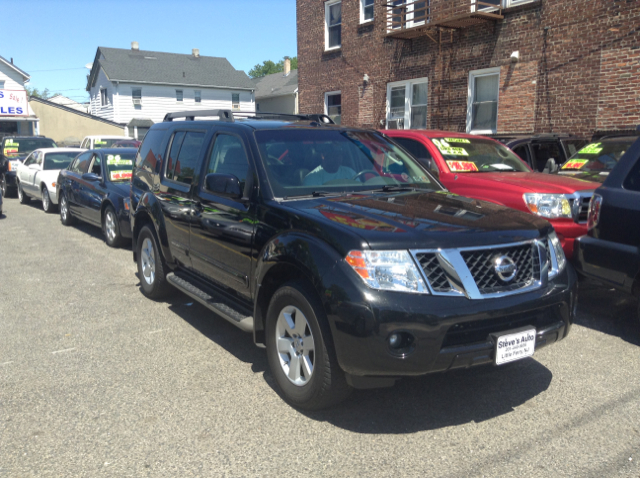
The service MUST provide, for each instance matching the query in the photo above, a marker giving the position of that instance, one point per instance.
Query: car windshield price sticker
(446, 149)
(574, 164)
(117, 160)
(457, 140)
(457, 166)
(121, 175)
(591, 149)
(10, 148)
(512, 347)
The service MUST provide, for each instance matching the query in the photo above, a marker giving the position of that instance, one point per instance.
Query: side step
(218, 304)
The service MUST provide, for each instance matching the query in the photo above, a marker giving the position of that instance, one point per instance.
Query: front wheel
(151, 267)
(110, 228)
(22, 197)
(3, 186)
(47, 205)
(65, 215)
(300, 349)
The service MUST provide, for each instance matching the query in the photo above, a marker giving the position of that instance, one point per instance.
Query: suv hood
(422, 220)
(535, 182)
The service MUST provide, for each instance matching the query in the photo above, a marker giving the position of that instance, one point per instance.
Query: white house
(139, 87)
(16, 118)
(278, 92)
(69, 103)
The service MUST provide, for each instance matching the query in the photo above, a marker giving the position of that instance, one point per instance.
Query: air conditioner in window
(395, 124)
(137, 101)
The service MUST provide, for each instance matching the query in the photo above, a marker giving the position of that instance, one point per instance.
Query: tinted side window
(523, 152)
(81, 164)
(632, 182)
(148, 155)
(229, 157)
(95, 165)
(172, 157)
(188, 157)
(417, 149)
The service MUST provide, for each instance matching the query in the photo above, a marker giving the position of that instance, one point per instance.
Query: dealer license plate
(514, 346)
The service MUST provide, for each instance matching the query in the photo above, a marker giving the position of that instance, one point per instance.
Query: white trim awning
(19, 118)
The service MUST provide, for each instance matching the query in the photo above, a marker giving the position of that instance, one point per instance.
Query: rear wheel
(300, 349)
(65, 215)
(110, 228)
(3, 186)
(151, 267)
(47, 205)
(22, 197)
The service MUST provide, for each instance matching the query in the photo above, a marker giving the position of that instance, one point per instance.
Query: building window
(1, 84)
(407, 104)
(179, 95)
(366, 10)
(482, 103)
(103, 97)
(197, 96)
(136, 96)
(235, 101)
(333, 105)
(333, 24)
(495, 4)
(408, 14)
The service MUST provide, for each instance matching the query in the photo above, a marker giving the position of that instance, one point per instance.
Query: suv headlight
(387, 270)
(556, 255)
(548, 205)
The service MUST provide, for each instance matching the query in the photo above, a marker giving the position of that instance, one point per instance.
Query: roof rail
(225, 115)
(264, 115)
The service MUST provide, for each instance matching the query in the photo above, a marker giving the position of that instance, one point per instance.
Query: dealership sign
(14, 103)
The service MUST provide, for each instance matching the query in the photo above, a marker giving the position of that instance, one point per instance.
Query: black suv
(610, 252)
(14, 149)
(343, 256)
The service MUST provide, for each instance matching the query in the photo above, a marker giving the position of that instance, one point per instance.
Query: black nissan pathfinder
(345, 258)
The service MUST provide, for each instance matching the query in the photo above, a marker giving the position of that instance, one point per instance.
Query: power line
(57, 70)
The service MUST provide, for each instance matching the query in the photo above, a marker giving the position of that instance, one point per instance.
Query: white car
(101, 141)
(38, 174)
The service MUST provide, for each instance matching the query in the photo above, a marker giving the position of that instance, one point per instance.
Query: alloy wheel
(295, 344)
(45, 199)
(63, 208)
(147, 256)
(110, 226)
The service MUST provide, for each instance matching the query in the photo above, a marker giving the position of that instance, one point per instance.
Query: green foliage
(44, 94)
(268, 67)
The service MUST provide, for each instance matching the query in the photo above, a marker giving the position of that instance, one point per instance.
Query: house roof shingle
(142, 66)
(276, 84)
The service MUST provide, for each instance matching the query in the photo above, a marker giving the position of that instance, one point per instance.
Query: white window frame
(180, 100)
(326, 102)
(409, 20)
(503, 4)
(235, 106)
(473, 74)
(362, 7)
(408, 92)
(1, 84)
(326, 26)
(104, 97)
(197, 96)
(134, 97)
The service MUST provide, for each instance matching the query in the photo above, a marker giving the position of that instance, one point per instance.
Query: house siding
(12, 79)
(108, 111)
(577, 72)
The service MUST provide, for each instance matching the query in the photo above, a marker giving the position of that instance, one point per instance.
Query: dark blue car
(95, 189)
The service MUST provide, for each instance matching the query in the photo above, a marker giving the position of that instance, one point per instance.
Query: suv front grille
(583, 215)
(434, 272)
(481, 266)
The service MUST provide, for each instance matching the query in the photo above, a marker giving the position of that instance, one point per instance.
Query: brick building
(505, 66)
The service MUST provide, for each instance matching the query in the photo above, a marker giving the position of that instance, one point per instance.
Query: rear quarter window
(632, 181)
(149, 155)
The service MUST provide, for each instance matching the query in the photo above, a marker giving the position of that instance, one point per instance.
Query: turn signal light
(594, 212)
(358, 263)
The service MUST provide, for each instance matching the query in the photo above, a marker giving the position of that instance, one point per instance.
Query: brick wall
(577, 73)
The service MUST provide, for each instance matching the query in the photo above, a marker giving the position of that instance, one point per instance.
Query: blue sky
(52, 40)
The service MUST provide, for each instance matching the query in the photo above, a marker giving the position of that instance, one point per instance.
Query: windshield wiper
(315, 194)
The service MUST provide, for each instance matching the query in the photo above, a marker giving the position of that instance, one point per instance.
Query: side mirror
(90, 177)
(224, 184)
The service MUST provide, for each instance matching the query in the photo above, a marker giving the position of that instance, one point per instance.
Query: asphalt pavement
(97, 380)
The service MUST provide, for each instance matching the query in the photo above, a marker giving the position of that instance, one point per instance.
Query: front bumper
(568, 231)
(615, 264)
(449, 332)
(10, 179)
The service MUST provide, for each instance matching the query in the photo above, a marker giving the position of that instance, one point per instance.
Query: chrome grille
(481, 267)
(434, 272)
(583, 215)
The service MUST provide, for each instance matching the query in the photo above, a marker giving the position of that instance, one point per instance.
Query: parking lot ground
(96, 380)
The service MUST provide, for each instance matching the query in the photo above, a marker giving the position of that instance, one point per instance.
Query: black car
(14, 149)
(544, 152)
(95, 188)
(595, 161)
(610, 252)
(343, 256)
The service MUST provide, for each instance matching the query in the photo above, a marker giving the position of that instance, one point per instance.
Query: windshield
(598, 156)
(105, 142)
(119, 167)
(59, 161)
(477, 155)
(318, 161)
(23, 146)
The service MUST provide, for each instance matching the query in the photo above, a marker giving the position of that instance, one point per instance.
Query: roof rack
(230, 116)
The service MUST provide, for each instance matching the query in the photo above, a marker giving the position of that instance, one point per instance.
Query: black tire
(66, 218)
(111, 228)
(47, 204)
(3, 187)
(152, 269)
(22, 197)
(326, 385)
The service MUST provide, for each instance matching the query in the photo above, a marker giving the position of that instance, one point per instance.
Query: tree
(268, 67)
(44, 94)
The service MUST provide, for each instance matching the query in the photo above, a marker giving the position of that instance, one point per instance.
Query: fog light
(401, 343)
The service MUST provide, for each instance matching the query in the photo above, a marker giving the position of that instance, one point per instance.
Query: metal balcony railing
(412, 18)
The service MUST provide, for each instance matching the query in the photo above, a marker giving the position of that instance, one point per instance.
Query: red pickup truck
(482, 168)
